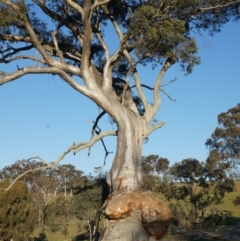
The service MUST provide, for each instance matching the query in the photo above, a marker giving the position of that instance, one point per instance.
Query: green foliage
(161, 36)
(17, 212)
(197, 185)
(154, 167)
(153, 164)
(60, 208)
(87, 202)
(224, 143)
(9, 16)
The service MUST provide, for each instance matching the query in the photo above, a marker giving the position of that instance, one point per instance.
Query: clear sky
(42, 115)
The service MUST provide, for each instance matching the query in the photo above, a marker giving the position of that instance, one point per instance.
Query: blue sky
(42, 115)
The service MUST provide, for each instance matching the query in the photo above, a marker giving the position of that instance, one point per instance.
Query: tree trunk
(132, 213)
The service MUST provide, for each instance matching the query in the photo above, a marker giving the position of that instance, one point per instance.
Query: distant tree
(68, 176)
(154, 167)
(19, 167)
(199, 185)
(75, 48)
(153, 164)
(224, 143)
(17, 212)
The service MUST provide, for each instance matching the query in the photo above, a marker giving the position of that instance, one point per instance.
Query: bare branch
(73, 26)
(151, 88)
(107, 54)
(56, 44)
(221, 5)
(104, 146)
(154, 127)
(3, 73)
(114, 23)
(96, 121)
(44, 70)
(95, 126)
(137, 79)
(17, 38)
(74, 148)
(98, 3)
(126, 86)
(143, 85)
(76, 7)
(36, 41)
(167, 95)
(48, 165)
(171, 81)
(20, 57)
(157, 101)
(107, 75)
(83, 145)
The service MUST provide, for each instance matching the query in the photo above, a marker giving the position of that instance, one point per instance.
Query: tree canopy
(224, 144)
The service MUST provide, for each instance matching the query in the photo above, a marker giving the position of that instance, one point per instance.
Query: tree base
(136, 216)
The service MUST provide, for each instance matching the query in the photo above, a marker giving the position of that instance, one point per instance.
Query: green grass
(72, 226)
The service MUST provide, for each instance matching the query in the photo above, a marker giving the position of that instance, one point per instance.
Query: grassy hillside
(227, 207)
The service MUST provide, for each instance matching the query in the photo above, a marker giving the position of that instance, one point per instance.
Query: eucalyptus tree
(224, 144)
(198, 185)
(73, 46)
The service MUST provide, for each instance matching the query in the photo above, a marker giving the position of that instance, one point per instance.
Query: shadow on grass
(229, 219)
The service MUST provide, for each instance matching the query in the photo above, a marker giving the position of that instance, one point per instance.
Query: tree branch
(154, 127)
(151, 88)
(17, 38)
(221, 5)
(136, 79)
(157, 101)
(104, 146)
(48, 165)
(20, 57)
(98, 3)
(72, 25)
(43, 70)
(56, 44)
(76, 6)
(107, 73)
(96, 121)
(73, 148)
(82, 145)
(168, 95)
